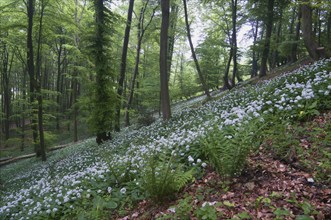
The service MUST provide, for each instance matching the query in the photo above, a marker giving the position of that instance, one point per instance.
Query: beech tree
(165, 99)
(35, 78)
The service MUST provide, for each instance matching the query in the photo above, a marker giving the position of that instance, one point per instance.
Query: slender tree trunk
(42, 147)
(172, 31)
(202, 80)
(23, 112)
(181, 75)
(136, 67)
(74, 81)
(75, 107)
(133, 82)
(275, 53)
(266, 49)
(58, 84)
(254, 55)
(165, 99)
(296, 35)
(6, 90)
(328, 29)
(234, 41)
(123, 64)
(227, 70)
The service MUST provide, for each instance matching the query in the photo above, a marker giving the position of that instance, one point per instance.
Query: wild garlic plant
(36, 190)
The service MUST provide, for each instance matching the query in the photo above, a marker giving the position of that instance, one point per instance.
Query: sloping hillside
(222, 154)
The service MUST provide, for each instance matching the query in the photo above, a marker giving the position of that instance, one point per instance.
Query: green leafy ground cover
(212, 142)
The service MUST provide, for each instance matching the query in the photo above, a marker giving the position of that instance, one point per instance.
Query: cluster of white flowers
(42, 189)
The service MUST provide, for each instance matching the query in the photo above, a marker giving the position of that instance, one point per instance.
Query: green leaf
(228, 204)
(244, 215)
(313, 105)
(111, 205)
(303, 217)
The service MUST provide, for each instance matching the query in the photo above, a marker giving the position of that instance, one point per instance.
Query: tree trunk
(58, 83)
(294, 50)
(23, 112)
(227, 70)
(202, 80)
(275, 53)
(6, 90)
(307, 32)
(266, 49)
(31, 71)
(75, 107)
(328, 29)
(254, 55)
(165, 99)
(172, 31)
(181, 74)
(234, 41)
(42, 147)
(103, 100)
(123, 65)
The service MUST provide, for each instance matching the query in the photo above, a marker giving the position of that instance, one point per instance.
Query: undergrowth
(90, 182)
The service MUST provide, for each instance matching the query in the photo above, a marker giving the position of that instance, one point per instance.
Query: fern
(163, 177)
(227, 149)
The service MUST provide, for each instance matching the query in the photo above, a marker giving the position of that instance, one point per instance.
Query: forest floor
(286, 176)
(268, 188)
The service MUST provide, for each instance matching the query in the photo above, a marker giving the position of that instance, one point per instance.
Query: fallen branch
(17, 158)
(8, 160)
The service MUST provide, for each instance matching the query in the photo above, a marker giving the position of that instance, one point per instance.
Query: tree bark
(6, 89)
(234, 47)
(31, 71)
(227, 70)
(307, 32)
(123, 65)
(23, 111)
(42, 147)
(202, 80)
(172, 31)
(255, 53)
(165, 99)
(275, 53)
(266, 49)
(59, 48)
(294, 50)
(75, 106)
(328, 29)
